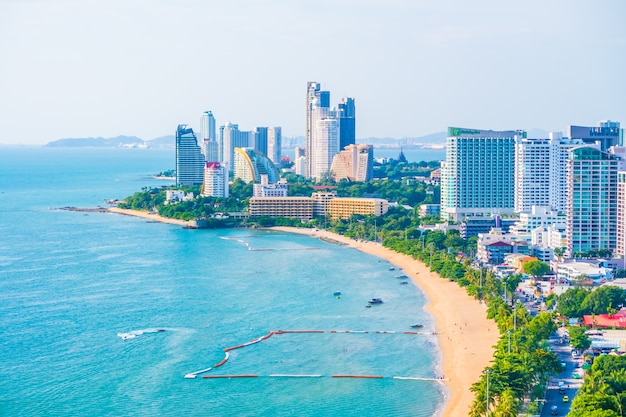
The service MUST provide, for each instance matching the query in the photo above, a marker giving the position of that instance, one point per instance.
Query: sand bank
(466, 337)
(150, 216)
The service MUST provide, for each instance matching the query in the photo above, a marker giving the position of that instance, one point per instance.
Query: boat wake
(135, 333)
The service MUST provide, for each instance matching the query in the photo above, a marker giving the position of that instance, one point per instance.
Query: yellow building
(343, 208)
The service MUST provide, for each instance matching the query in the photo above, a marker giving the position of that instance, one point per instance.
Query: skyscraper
(210, 147)
(477, 177)
(326, 146)
(317, 103)
(540, 172)
(215, 180)
(261, 140)
(231, 138)
(347, 122)
(591, 199)
(251, 164)
(354, 163)
(607, 133)
(189, 158)
(274, 144)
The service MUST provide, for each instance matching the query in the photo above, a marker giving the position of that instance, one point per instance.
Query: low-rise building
(343, 208)
(290, 207)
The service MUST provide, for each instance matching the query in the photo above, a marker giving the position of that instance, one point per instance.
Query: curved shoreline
(464, 334)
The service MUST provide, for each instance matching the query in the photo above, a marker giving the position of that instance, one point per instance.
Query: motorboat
(376, 301)
(417, 326)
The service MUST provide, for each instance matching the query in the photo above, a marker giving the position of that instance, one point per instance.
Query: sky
(102, 68)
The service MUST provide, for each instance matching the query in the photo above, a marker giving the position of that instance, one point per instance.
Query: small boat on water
(404, 282)
(376, 301)
(391, 268)
(417, 326)
(337, 293)
(402, 277)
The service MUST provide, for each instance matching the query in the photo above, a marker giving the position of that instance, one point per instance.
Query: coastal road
(553, 397)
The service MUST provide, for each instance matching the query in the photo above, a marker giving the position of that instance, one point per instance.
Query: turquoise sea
(84, 295)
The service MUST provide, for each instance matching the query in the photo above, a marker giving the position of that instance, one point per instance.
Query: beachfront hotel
(477, 177)
(591, 199)
(354, 163)
(344, 207)
(189, 158)
(251, 164)
(540, 172)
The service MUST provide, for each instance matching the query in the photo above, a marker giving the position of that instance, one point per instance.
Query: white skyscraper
(230, 138)
(208, 137)
(274, 144)
(215, 180)
(477, 177)
(326, 146)
(540, 172)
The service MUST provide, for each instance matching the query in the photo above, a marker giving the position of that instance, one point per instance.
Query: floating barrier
(415, 378)
(294, 376)
(193, 375)
(229, 376)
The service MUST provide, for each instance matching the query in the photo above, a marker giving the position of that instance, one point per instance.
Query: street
(571, 384)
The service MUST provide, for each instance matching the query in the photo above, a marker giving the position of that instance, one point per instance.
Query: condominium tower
(477, 177)
(189, 158)
(591, 199)
(215, 180)
(210, 147)
(326, 129)
(540, 172)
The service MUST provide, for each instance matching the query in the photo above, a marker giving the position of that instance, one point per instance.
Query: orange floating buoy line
(193, 375)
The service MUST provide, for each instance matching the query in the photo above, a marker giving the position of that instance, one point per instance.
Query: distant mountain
(121, 141)
(537, 134)
(431, 139)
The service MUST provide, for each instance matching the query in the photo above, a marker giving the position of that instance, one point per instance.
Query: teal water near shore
(74, 285)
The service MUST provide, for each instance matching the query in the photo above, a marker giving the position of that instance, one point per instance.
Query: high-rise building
(274, 144)
(231, 138)
(591, 199)
(189, 158)
(251, 164)
(607, 133)
(210, 148)
(317, 106)
(326, 146)
(354, 163)
(477, 177)
(260, 140)
(215, 180)
(347, 122)
(540, 172)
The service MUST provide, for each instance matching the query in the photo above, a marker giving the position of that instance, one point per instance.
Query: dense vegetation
(522, 361)
(603, 393)
(577, 302)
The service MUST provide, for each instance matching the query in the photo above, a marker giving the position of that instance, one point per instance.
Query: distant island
(121, 141)
(433, 140)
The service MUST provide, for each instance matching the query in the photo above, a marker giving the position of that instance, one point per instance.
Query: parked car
(565, 399)
(554, 410)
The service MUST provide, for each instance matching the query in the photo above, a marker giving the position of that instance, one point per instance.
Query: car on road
(554, 410)
(565, 399)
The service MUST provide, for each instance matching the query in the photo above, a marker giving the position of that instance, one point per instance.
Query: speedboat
(376, 301)
(417, 326)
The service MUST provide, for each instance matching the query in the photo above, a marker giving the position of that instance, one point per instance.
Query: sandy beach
(150, 216)
(466, 337)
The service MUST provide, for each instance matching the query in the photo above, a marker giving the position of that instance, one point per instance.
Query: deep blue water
(72, 282)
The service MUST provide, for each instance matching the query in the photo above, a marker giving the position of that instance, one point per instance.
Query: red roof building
(617, 320)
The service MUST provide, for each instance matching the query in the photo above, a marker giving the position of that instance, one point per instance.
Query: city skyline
(108, 68)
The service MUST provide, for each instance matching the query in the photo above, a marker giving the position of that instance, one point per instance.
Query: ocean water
(84, 295)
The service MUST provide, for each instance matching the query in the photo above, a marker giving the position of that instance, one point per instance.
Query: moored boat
(376, 301)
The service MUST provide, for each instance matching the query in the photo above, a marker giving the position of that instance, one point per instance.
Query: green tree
(536, 268)
(569, 304)
(601, 299)
(578, 338)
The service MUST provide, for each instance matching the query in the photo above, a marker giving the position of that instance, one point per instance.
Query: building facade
(274, 144)
(477, 177)
(189, 158)
(344, 207)
(591, 200)
(215, 180)
(354, 163)
(251, 165)
(540, 172)
(208, 136)
(347, 122)
(607, 133)
(230, 138)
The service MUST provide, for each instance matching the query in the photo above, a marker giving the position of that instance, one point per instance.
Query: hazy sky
(79, 68)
